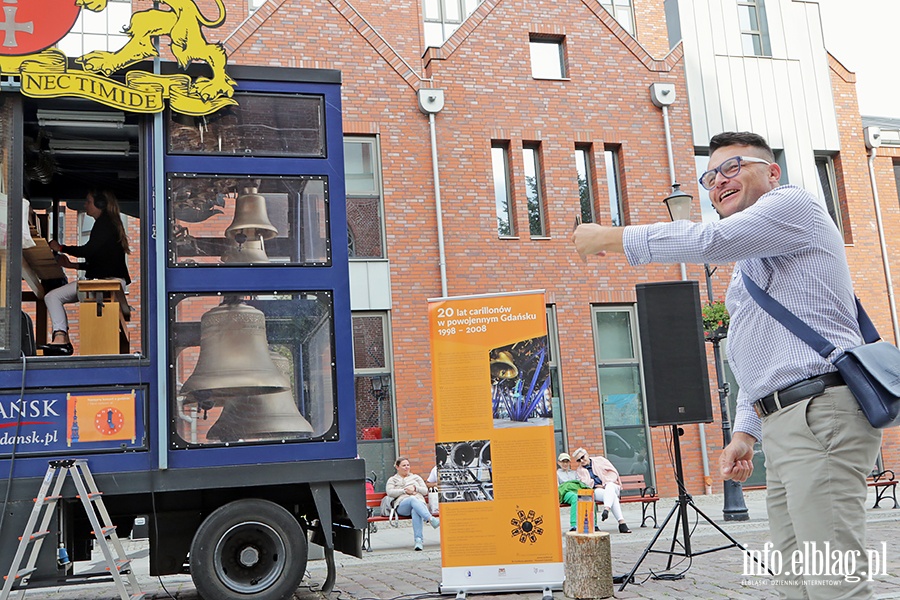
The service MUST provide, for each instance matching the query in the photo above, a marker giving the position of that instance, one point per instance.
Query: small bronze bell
(251, 220)
(251, 251)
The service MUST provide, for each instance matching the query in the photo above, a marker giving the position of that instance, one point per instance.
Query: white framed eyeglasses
(729, 168)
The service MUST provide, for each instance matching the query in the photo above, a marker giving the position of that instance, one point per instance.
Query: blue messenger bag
(871, 371)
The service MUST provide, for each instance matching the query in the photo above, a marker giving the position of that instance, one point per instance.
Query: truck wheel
(248, 550)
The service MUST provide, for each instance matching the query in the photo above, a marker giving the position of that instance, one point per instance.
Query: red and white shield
(29, 26)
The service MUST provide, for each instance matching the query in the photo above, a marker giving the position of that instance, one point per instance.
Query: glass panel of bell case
(276, 125)
(253, 368)
(240, 220)
(6, 122)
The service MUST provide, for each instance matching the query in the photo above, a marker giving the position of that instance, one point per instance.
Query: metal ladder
(103, 529)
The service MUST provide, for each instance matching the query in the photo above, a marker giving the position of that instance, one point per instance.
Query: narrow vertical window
(502, 199)
(365, 222)
(585, 177)
(611, 158)
(372, 367)
(828, 189)
(754, 32)
(556, 395)
(532, 159)
(547, 57)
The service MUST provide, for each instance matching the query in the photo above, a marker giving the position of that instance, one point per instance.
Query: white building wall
(786, 97)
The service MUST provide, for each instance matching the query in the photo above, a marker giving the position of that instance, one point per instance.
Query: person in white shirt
(408, 491)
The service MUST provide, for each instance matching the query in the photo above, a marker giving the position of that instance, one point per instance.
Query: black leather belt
(792, 394)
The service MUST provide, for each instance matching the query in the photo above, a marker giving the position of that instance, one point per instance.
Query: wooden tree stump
(588, 565)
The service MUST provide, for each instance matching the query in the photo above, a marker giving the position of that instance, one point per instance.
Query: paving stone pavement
(393, 569)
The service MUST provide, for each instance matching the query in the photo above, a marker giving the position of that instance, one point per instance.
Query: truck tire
(248, 549)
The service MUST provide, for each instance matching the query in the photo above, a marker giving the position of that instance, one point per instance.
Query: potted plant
(715, 320)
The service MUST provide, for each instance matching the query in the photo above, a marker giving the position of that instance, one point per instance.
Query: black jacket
(103, 254)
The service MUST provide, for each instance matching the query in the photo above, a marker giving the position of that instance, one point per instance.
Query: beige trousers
(818, 454)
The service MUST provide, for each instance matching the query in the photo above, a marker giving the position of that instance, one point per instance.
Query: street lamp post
(734, 509)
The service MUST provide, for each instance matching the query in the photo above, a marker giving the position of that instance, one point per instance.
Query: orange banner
(100, 418)
(500, 523)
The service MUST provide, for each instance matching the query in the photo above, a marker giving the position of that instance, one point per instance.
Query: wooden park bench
(885, 485)
(373, 506)
(635, 489)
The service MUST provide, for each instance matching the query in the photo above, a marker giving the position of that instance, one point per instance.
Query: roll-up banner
(500, 525)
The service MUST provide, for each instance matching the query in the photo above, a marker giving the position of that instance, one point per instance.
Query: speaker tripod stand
(680, 512)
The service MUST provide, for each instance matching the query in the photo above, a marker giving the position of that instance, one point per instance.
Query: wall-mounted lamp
(380, 383)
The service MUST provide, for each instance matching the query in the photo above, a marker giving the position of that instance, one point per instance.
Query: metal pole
(734, 508)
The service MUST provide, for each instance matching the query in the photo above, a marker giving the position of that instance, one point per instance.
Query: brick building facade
(494, 105)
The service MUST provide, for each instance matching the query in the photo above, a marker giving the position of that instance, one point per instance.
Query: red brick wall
(855, 188)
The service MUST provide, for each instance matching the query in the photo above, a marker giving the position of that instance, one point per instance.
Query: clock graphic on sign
(109, 420)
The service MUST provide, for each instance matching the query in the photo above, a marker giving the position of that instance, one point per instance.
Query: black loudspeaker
(673, 353)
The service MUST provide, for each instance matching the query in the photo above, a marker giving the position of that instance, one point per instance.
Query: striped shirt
(787, 243)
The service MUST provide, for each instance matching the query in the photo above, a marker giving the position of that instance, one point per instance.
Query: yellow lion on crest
(183, 24)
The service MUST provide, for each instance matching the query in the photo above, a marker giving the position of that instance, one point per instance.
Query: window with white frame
(102, 30)
(623, 13)
(621, 394)
(548, 57)
(372, 371)
(254, 5)
(506, 226)
(585, 173)
(754, 31)
(828, 189)
(365, 217)
(614, 187)
(531, 154)
(443, 17)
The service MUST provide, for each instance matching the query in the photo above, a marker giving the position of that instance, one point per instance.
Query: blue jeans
(413, 506)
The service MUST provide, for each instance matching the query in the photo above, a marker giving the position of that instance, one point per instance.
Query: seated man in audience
(597, 472)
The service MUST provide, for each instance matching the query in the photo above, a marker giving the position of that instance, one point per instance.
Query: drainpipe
(872, 136)
(431, 101)
(662, 95)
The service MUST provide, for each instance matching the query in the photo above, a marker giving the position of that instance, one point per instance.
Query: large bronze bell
(251, 251)
(264, 416)
(251, 220)
(234, 355)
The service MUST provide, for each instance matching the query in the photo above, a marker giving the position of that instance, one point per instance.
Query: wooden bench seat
(634, 489)
(373, 505)
(885, 485)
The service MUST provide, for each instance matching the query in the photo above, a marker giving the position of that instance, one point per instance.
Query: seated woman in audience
(408, 491)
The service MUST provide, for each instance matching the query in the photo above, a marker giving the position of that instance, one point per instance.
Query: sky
(859, 33)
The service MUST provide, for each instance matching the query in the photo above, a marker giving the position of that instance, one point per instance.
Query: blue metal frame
(128, 372)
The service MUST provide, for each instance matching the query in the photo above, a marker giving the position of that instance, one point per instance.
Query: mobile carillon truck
(214, 396)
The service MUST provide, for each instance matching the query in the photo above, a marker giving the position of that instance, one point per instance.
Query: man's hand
(590, 238)
(736, 460)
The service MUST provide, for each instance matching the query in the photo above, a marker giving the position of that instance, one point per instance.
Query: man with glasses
(819, 447)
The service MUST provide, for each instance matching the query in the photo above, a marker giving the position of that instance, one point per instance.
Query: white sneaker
(435, 522)
(419, 544)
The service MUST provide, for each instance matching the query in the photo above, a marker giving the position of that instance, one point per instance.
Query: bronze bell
(264, 416)
(251, 251)
(251, 220)
(503, 367)
(234, 355)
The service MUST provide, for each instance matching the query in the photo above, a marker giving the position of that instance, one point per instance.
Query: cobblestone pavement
(394, 570)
